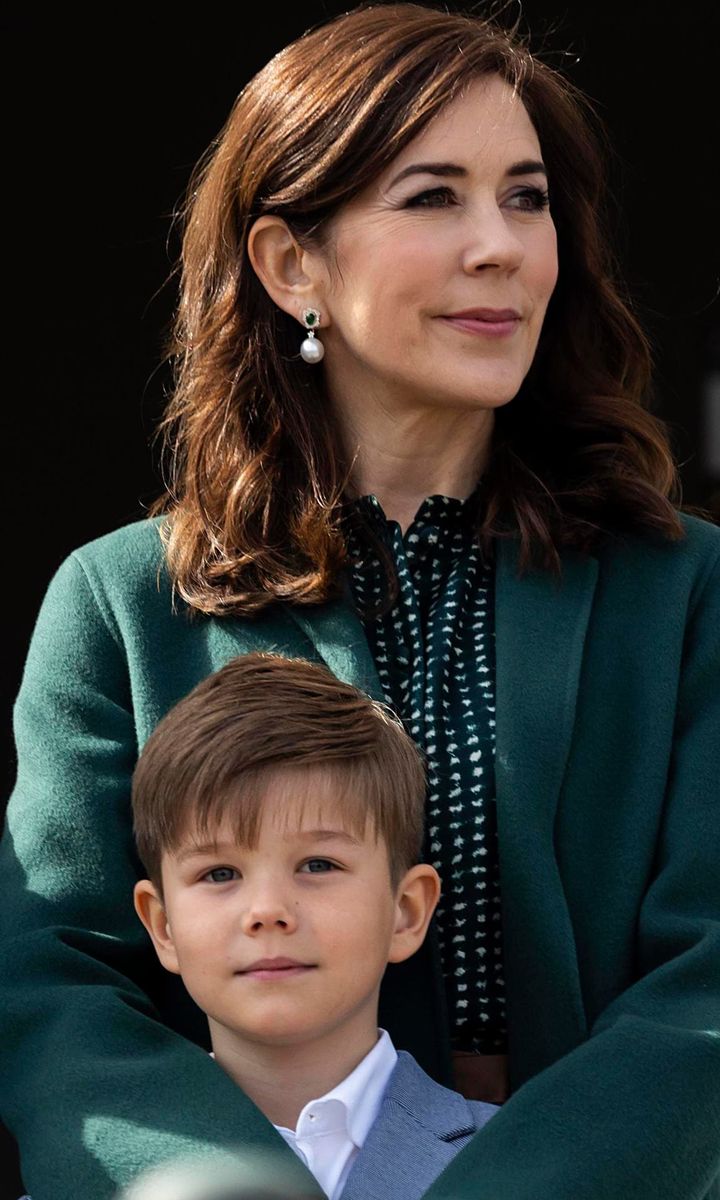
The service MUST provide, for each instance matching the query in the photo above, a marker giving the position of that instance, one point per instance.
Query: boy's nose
(266, 911)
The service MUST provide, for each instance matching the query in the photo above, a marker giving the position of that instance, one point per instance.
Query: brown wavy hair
(256, 493)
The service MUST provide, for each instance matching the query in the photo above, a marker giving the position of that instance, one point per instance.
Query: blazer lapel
(413, 1139)
(540, 626)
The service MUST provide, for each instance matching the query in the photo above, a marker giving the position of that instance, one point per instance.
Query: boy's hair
(213, 754)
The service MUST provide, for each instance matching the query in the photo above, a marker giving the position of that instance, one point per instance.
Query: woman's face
(436, 278)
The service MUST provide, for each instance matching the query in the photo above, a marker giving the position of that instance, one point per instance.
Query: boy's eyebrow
(325, 835)
(309, 835)
(195, 851)
(527, 166)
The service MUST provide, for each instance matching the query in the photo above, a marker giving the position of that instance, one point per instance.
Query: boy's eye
(220, 875)
(317, 866)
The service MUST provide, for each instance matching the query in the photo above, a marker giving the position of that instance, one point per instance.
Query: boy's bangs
(326, 795)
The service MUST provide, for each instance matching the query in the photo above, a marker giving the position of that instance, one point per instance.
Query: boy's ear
(416, 897)
(151, 911)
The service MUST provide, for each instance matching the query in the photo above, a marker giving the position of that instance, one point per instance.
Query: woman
(408, 440)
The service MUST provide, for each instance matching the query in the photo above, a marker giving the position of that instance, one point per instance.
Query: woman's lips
(502, 323)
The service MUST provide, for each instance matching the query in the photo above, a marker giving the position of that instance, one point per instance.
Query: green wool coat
(608, 801)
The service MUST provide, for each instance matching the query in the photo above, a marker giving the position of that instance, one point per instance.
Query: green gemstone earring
(312, 351)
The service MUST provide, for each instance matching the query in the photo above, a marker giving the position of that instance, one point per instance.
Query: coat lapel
(540, 627)
(339, 640)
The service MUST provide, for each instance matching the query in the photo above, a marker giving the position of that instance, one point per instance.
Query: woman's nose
(493, 243)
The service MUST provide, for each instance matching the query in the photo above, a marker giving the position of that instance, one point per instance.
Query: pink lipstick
(486, 322)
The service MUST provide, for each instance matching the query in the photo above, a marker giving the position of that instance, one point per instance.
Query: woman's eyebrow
(429, 169)
(527, 166)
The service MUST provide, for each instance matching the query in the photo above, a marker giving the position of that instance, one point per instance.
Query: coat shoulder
(660, 566)
(700, 540)
(132, 552)
(121, 576)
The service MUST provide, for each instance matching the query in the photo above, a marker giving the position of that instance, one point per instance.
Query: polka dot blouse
(434, 653)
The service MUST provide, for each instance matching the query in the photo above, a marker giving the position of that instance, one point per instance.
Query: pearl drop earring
(312, 351)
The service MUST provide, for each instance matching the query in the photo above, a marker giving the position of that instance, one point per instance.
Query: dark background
(104, 125)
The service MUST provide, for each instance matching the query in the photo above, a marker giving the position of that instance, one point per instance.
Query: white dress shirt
(330, 1131)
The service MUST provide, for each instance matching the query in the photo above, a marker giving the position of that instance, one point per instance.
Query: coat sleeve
(95, 1088)
(634, 1112)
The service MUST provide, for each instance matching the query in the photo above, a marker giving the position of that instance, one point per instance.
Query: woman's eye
(439, 197)
(530, 199)
(317, 866)
(220, 875)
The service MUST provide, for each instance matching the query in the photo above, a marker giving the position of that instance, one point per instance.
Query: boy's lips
(276, 968)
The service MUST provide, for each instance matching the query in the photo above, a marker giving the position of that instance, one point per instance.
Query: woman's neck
(404, 458)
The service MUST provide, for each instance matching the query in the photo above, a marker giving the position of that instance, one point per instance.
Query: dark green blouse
(435, 656)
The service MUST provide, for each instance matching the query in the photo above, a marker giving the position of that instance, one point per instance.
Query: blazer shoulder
(441, 1111)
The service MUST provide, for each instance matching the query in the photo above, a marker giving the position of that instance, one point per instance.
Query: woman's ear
(151, 911)
(416, 898)
(290, 275)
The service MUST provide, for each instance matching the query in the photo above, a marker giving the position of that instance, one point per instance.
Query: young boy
(279, 816)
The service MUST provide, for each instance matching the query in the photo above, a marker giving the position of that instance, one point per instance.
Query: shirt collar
(446, 513)
(359, 1094)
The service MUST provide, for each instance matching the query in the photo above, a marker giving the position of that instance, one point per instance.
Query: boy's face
(287, 942)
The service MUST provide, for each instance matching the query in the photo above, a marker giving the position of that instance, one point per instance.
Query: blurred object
(246, 1177)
